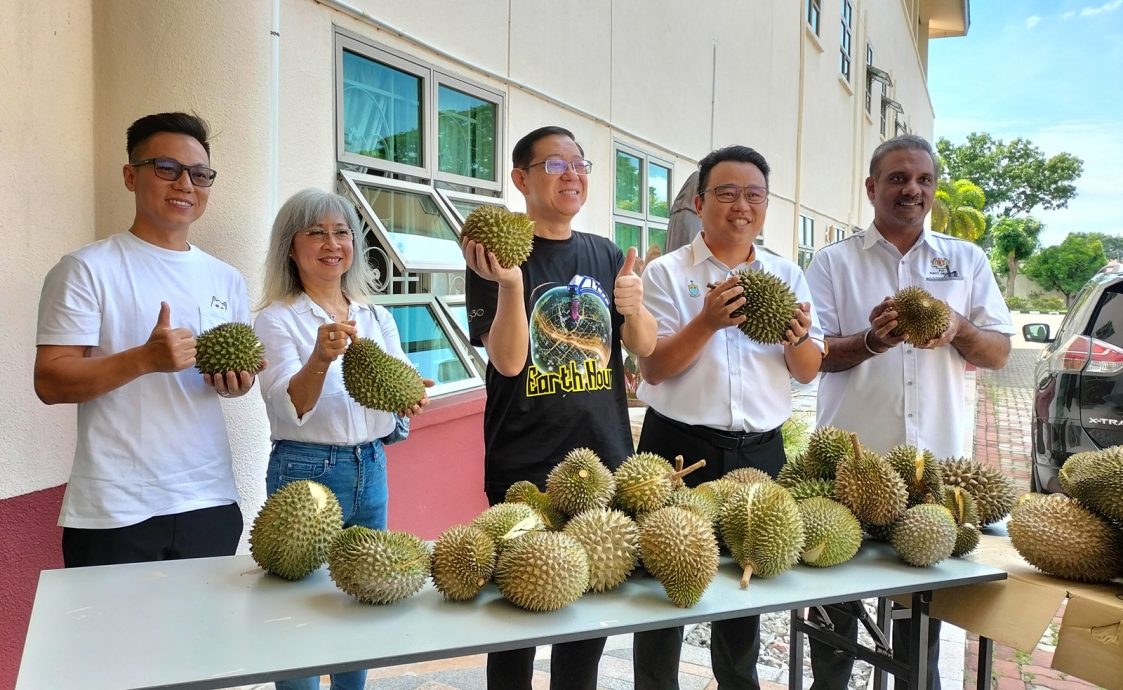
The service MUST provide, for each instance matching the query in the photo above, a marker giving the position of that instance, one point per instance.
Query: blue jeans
(357, 477)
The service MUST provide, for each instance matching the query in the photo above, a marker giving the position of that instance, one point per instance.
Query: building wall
(658, 75)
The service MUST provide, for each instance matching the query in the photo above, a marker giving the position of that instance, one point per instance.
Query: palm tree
(958, 210)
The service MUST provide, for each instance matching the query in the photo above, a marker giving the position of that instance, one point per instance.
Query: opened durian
(291, 534)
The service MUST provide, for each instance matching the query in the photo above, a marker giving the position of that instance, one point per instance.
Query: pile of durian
(592, 527)
(1078, 536)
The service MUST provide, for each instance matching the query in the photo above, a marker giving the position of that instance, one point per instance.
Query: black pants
(734, 643)
(195, 534)
(832, 667)
(573, 665)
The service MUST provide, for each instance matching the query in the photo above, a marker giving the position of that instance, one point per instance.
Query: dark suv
(1078, 402)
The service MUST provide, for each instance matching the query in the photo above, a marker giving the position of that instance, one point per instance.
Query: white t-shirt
(288, 331)
(158, 444)
(736, 384)
(906, 395)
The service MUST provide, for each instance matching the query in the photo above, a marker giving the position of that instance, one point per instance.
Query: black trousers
(573, 665)
(734, 643)
(195, 534)
(832, 668)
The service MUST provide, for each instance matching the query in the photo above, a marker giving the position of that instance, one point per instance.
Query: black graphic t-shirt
(570, 394)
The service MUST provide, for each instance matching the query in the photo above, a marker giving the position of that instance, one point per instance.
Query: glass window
(466, 134)
(408, 213)
(658, 191)
(1109, 320)
(804, 258)
(629, 181)
(869, 82)
(381, 111)
(628, 235)
(812, 11)
(806, 231)
(844, 45)
(426, 343)
(657, 237)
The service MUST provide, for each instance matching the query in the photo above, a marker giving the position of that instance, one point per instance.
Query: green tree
(1016, 177)
(958, 210)
(1113, 244)
(1015, 239)
(1067, 266)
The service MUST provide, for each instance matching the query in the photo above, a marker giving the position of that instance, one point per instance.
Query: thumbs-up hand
(627, 293)
(170, 349)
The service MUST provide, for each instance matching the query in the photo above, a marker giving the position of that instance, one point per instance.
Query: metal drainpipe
(799, 138)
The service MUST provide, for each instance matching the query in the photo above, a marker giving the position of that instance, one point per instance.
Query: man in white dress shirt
(888, 390)
(713, 393)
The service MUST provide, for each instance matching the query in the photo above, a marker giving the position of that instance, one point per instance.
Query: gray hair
(303, 210)
(903, 142)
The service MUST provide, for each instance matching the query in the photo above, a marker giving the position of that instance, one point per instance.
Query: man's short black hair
(904, 142)
(175, 123)
(524, 148)
(736, 154)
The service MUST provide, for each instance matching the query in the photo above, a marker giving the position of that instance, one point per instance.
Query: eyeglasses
(341, 235)
(171, 169)
(556, 166)
(728, 193)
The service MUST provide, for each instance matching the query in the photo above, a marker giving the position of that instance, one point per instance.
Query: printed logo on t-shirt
(941, 269)
(217, 303)
(570, 339)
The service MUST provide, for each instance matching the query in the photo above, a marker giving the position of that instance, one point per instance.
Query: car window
(1077, 317)
(1108, 325)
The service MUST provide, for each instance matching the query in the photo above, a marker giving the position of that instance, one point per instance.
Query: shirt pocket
(213, 313)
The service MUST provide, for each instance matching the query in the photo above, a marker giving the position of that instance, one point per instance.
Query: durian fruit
(229, 347)
(1097, 482)
(961, 505)
(769, 306)
(526, 492)
(463, 562)
(826, 447)
(809, 488)
(831, 533)
(510, 235)
(1058, 536)
(870, 488)
(993, 491)
(701, 501)
(718, 489)
(543, 571)
(580, 482)
(920, 471)
(761, 525)
(504, 522)
(611, 541)
(878, 532)
(920, 316)
(379, 381)
(291, 534)
(644, 482)
(793, 471)
(795, 431)
(924, 535)
(378, 566)
(747, 475)
(678, 548)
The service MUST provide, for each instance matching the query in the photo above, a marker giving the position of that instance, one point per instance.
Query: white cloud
(1032, 21)
(1068, 15)
(1106, 7)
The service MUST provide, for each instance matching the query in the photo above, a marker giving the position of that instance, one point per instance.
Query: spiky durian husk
(526, 492)
(871, 489)
(1059, 536)
(794, 470)
(504, 522)
(920, 471)
(510, 235)
(747, 475)
(831, 533)
(810, 488)
(379, 381)
(961, 505)
(291, 534)
(795, 431)
(229, 347)
(679, 549)
(826, 447)
(993, 491)
(924, 535)
(463, 562)
(920, 316)
(761, 525)
(769, 306)
(1097, 481)
(543, 571)
(580, 482)
(378, 566)
(643, 483)
(611, 541)
(703, 502)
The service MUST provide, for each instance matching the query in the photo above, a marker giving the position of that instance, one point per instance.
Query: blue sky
(1050, 71)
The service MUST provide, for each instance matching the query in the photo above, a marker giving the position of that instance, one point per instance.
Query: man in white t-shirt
(151, 478)
(884, 388)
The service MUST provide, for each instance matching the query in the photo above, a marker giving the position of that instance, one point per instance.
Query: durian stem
(680, 472)
(745, 575)
(679, 460)
(857, 446)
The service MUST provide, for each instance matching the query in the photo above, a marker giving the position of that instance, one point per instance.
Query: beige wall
(658, 75)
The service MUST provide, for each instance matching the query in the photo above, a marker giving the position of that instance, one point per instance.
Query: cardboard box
(1017, 611)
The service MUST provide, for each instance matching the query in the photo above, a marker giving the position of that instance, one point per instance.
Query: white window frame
(813, 14)
(643, 217)
(464, 354)
(449, 196)
(806, 240)
(846, 40)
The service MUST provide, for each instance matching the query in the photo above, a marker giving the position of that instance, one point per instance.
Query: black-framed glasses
(171, 169)
(556, 166)
(341, 235)
(728, 193)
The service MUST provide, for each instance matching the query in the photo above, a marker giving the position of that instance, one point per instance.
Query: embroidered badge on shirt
(941, 269)
(692, 289)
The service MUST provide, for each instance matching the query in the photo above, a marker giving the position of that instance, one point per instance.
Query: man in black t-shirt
(555, 376)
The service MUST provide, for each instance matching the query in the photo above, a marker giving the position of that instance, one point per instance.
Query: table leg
(795, 652)
(884, 622)
(986, 654)
(918, 641)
